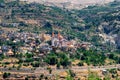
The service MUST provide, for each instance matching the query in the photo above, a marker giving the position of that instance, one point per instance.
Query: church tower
(58, 35)
(53, 35)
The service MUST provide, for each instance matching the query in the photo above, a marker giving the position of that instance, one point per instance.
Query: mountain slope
(70, 4)
(99, 25)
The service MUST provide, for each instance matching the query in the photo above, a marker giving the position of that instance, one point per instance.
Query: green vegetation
(59, 59)
(35, 64)
(70, 75)
(51, 59)
(80, 64)
(1, 1)
(2, 57)
(93, 76)
(81, 24)
(90, 57)
(6, 75)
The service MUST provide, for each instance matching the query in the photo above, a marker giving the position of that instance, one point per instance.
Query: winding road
(77, 69)
(40, 70)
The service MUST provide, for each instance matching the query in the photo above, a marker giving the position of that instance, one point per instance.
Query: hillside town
(15, 42)
(59, 40)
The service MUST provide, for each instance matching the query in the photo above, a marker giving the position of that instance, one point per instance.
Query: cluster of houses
(58, 41)
(37, 43)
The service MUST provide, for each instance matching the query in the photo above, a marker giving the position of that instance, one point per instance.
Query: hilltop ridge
(70, 4)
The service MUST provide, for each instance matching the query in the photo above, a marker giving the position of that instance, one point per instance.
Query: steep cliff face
(70, 4)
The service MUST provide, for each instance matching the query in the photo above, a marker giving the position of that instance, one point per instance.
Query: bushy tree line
(59, 59)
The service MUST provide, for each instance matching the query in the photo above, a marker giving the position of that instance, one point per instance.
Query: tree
(58, 65)
(70, 75)
(107, 77)
(80, 64)
(51, 59)
(19, 66)
(65, 62)
(2, 57)
(29, 60)
(35, 64)
(29, 55)
(6, 75)
(26, 78)
(48, 25)
(111, 56)
(19, 55)
(49, 69)
(41, 76)
(93, 76)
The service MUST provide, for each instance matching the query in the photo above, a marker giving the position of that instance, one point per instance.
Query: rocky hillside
(99, 25)
(70, 4)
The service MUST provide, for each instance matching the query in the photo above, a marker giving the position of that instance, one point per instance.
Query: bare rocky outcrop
(70, 4)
